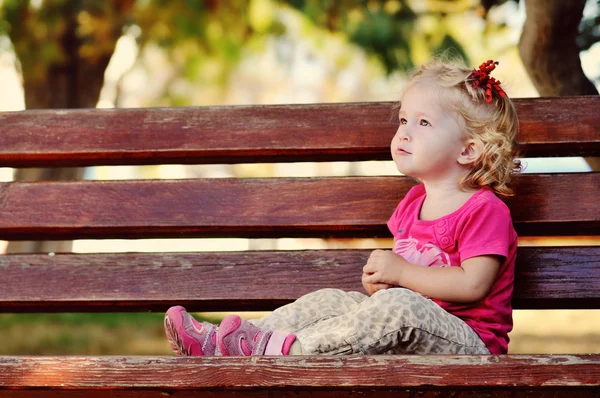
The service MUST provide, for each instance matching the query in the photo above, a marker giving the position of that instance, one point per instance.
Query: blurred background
(155, 53)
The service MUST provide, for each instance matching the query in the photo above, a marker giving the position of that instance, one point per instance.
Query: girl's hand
(372, 288)
(383, 267)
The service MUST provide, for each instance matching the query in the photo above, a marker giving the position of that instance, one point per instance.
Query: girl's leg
(274, 333)
(392, 321)
(311, 309)
(189, 337)
(334, 322)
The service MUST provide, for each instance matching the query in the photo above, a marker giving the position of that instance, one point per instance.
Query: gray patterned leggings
(392, 321)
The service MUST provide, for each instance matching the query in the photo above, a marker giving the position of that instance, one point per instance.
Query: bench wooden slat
(274, 133)
(275, 207)
(406, 375)
(546, 277)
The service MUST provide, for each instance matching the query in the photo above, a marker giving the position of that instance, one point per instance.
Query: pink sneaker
(187, 336)
(238, 337)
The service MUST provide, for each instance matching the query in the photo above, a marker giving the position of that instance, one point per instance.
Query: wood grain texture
(505, 376)
(546, 277)
(259, 133)
(547, 204)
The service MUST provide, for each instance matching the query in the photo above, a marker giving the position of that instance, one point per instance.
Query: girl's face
(428, 141)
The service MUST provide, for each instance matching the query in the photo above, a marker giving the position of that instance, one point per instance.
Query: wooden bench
(547, 205)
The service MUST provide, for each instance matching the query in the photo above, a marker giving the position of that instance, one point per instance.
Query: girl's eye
(403, 120)
(424, 122)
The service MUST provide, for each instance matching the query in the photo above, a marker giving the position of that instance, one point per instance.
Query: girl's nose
(402, 134)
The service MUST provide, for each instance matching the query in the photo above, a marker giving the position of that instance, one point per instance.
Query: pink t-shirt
(482, 226)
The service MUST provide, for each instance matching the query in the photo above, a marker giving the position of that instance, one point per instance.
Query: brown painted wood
(546, 277)
(258, 133)
(300, 392)
(548, 204)
(521, 375)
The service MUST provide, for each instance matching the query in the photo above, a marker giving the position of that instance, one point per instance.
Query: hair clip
(482, 78)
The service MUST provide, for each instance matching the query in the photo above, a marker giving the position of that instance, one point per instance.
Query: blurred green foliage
(205, 40)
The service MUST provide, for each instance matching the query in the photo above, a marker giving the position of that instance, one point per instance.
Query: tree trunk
(549, 50)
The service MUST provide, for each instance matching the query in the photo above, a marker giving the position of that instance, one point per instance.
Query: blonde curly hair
(495, 124)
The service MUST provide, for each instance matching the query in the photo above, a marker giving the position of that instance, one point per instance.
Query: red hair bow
(481, 77)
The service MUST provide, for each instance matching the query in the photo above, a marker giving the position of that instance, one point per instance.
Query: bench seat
(397, 375)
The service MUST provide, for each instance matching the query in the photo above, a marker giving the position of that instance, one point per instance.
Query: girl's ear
(470, 152)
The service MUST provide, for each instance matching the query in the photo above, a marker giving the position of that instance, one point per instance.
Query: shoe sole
(174, 321)
(229, 325)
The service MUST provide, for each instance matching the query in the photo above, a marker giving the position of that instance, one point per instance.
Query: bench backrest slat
(272, 207)
(546, 277)
(316, 132)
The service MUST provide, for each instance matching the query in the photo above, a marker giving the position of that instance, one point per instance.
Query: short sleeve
(486, 230)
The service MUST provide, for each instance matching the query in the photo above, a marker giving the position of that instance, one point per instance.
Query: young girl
(447, 285)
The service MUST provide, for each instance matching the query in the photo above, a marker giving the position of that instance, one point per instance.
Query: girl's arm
(465, 284)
